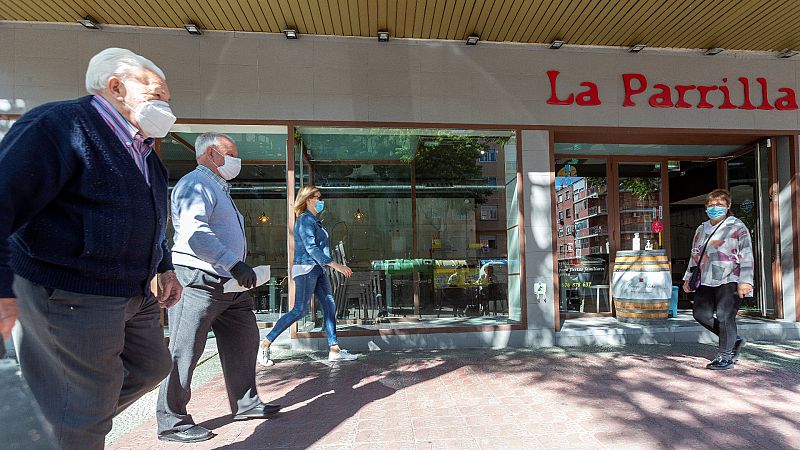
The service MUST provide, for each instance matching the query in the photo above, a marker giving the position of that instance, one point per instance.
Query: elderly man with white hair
(82, 234)
(209, 250)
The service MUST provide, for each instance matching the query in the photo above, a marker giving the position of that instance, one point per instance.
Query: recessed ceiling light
(473, 39)
(786, 53)
(89, 23)
(383, 36)
(555, 45)
(193, 29)
(290, 33)
(713, 51)
(637, 48)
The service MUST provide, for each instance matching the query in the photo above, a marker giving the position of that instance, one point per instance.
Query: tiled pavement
(650, 397)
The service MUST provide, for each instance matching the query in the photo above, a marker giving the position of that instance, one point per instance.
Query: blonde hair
(305, 193)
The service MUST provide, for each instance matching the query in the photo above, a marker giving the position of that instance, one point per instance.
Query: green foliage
(641, 188)
(595, 181)
(448, 160)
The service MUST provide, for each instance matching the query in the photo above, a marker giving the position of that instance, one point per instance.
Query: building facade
(478, 192)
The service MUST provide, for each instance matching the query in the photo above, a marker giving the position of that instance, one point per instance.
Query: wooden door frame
(612, 177)
(614, 163)
(773, 194)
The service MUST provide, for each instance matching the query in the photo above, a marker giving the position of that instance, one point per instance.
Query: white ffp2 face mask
(230, 168)
(155, 117)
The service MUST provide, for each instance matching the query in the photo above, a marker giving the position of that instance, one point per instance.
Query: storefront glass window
(5, 125)
(583, 270)
(421, 217)
(259, 193)
(639, 206)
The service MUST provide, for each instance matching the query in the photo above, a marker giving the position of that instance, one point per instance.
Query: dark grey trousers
(87, 357)
(203, 308)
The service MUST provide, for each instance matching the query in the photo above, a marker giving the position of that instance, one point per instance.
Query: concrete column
(788, 239)
(538, 228)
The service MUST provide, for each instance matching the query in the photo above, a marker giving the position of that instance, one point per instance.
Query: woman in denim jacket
(311, 255)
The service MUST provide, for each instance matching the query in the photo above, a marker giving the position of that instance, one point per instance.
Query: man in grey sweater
(209, 249)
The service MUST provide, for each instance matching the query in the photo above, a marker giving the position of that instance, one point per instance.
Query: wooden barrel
(641, 286)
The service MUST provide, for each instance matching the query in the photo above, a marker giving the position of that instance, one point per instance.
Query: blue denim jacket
(310, 241)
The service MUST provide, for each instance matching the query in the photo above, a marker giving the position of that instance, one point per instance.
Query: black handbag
(22, 424)
(694, 272)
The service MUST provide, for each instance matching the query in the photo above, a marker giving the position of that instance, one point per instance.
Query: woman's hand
(686, 287)
(341, 268)
(744, 289)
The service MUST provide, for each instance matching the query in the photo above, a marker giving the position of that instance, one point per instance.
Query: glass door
(748, 181)
(640, 206)
(583, 235)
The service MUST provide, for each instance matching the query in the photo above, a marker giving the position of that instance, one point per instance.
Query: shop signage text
(660, 95)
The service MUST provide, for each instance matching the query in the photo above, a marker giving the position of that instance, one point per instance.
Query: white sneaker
(263, 357)
(341, 355)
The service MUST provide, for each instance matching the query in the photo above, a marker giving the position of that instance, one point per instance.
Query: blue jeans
(314, 282)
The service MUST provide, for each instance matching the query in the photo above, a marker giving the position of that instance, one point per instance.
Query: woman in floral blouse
(726, 275)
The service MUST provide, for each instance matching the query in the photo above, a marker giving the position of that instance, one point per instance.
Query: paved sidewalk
(632, 397)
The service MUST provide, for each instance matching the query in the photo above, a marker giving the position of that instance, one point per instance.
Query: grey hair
(115, 62)
(206, 140)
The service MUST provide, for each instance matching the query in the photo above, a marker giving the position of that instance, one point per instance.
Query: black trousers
(725, 301)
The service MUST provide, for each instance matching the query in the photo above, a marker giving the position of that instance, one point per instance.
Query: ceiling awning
(694, 24)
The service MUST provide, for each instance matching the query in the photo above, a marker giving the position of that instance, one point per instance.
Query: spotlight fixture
(786, 53)
(473, 39)
(555, 45)
(290, 33)
(383, 36)
(359, 216)
(193, 29)
(264, 219)
(713, 51)
(89, 23)
(637, 48)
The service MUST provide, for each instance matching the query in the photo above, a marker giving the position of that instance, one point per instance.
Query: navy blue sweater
(75, 211)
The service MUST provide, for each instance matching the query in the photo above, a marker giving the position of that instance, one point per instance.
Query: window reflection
(582, 235)
(422, 217)
(259, 193)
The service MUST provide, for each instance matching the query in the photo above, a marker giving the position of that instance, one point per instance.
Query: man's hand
(244, 274)
(687, 288)
(743, 289)
(170, 288)
(9, 311)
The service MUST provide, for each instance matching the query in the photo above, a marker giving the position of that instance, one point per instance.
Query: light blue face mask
(715, 212)
(320, 206)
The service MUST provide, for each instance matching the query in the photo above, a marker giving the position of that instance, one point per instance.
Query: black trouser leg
(703, 308)
(728, 302)
(725, 301)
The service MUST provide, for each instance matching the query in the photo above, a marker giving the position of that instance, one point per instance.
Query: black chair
(492, 294)
(457, 298)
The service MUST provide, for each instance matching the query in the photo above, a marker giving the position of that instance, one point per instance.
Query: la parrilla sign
(641, 91)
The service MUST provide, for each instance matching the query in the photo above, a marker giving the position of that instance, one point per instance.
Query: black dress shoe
(720, 364)
(261, 411)
(194, 434)
(737, 347)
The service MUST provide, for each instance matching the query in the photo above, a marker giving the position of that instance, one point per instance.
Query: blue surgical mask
(320, 206)
(715, 212)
